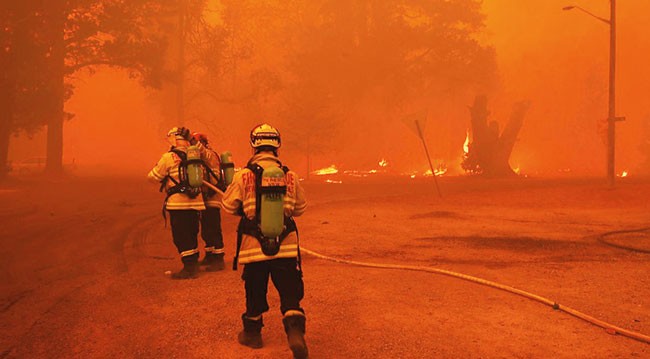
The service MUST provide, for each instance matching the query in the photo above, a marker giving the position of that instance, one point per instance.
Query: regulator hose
(609, 328)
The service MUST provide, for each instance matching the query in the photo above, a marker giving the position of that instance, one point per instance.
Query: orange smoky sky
(557, 60)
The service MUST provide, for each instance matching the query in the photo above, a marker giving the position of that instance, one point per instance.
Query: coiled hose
(609, 328)
(601, 239)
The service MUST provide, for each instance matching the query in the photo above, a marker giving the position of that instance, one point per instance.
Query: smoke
(557, 60)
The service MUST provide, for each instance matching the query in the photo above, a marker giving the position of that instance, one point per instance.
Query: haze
(557, 60)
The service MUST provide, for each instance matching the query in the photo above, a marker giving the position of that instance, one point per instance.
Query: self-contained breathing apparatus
(190, 175)
(225, 165)
(269, 226)
(192, 170)
(227, 168)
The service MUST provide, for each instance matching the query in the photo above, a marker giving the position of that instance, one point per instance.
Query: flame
(332, 181)
(466, 144)
(517, 170)
(357, 173)
(623, 174)
(327, 171)
(383, 163)
(441, 170)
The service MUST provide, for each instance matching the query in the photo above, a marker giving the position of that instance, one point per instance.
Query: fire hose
(213, 187)
(601, 239)
(609, 328)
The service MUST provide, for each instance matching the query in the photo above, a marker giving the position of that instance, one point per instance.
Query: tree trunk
(180, 86)
(5, 135)
(490, 150)
(308, 157)
(7, 88)
(54, 163)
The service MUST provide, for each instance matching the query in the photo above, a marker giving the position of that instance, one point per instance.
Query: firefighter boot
(251, 336)
(294, 326)
(213, 262)
(190, 271)
(208, 259)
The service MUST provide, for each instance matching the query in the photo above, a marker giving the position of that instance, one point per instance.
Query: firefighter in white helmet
(211, 216)
(277, 255)
(183, 202)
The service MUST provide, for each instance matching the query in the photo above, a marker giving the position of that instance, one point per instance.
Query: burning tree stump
(489, 151)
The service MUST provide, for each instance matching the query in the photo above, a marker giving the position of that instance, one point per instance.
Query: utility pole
(611, 116)
(611, 119)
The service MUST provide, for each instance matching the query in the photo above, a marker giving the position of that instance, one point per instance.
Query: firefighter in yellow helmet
(183, 201)
(211, 216)
(254, 192)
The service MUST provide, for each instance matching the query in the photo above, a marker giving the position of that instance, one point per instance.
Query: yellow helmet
(265, 135)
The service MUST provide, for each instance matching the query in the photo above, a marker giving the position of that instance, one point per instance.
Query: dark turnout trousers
(286, 278)
(185, 229)
(211, 230)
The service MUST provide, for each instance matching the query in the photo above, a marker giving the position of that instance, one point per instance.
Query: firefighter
(262, 256)
(183, 202)
(211, 216)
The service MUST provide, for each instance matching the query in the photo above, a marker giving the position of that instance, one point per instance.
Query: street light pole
(611, 116)
(611, 119)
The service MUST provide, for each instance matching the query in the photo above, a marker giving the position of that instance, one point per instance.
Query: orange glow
(327, 171)
(439, 171)
(558, 60)
(466, 144)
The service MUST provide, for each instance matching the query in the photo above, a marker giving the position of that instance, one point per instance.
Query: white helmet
(175, 134)
(265, 135)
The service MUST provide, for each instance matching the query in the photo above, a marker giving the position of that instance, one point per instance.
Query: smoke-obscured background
(343, 80)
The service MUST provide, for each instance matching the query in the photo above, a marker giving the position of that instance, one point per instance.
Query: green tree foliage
(394, 49)
(194, 47)
(308, 65)
(312, 65)
(84, 34)
(376, 56)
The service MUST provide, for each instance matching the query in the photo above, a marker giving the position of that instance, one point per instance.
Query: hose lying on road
(611, 329)
(601, 239)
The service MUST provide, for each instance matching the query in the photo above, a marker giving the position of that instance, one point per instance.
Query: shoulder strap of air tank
(163, 182)
(182, 155)
(257, 171)
(211, 173)
(299, 258)
(240, 235)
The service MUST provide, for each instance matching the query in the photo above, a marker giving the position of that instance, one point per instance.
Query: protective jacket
(240, 199)
(166, 172)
